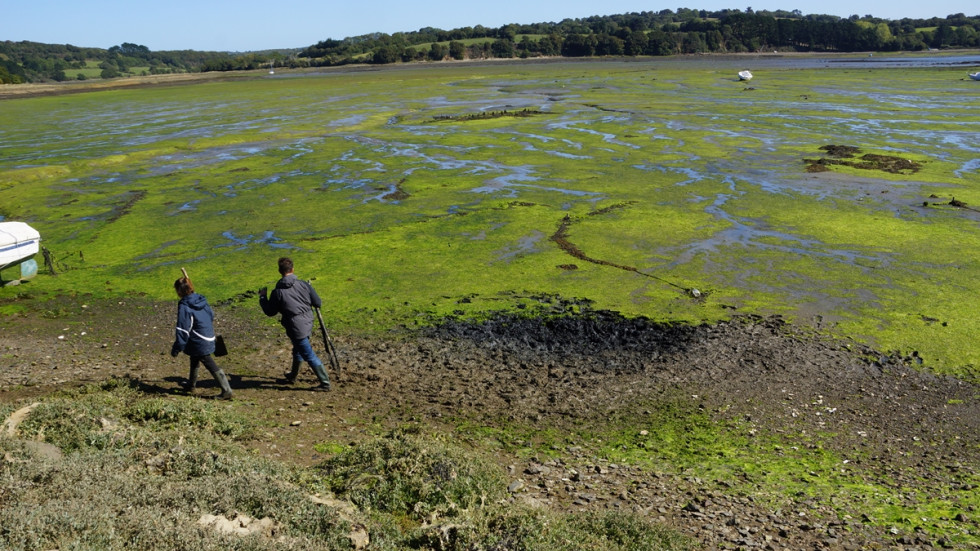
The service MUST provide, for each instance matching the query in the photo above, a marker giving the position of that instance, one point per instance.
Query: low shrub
(138, 472)
(426, 493)
(421, 478)
(114, 413)
(511, 526)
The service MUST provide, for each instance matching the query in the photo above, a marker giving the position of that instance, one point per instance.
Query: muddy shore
(897, 421)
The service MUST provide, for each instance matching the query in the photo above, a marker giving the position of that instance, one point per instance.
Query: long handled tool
(334, 362)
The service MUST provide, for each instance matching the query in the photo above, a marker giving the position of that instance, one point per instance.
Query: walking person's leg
(219, 376)
(304, 350)
(191, 381)
(294, 369)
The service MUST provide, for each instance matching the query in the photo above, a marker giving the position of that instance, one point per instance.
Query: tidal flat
(655, 188)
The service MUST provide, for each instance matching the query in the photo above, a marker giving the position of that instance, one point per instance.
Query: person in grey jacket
(195, 336)
(295, 300)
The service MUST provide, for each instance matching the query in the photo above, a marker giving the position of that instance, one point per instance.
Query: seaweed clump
(487, 115)
(846, 155)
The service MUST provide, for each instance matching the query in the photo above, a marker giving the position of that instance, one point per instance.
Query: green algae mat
(843, 199)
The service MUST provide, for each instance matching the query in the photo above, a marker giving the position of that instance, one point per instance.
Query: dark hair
(184, 287)
(285, 265)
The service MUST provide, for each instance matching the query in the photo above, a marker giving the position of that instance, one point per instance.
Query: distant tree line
(665, 32)
(22, 62)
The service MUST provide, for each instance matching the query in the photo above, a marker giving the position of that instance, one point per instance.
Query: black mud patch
(487, 115)
(953, 202)
(589, 334)
(846, 155)
(398, 194)
(841, 151)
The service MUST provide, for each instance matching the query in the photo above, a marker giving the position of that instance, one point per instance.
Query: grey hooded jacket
(295, 300)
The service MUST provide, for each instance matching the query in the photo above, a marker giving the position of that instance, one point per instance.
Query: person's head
(184, 287)
(285, 265)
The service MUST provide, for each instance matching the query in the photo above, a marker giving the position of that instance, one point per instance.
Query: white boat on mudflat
(18, 245)
(744, 75)
(975, 76)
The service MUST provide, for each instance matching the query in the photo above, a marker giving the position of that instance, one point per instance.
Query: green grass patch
(671, 177)
(678, 437)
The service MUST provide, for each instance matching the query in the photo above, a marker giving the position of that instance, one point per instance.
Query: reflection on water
(580, 125)
(268, 239)
(348, 121)
(525, 245)
(836, 61)
(757, 234)
(186, 207)
(505, 183)
(170, 163)
(910, 61)
(969, 168)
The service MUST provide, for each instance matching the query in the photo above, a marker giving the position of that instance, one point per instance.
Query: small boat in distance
(744, 75)
(18, 245)
(975, 76)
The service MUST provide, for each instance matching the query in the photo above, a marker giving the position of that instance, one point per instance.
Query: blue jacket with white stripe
(195, 327)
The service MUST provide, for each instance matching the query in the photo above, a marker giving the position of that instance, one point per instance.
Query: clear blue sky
(249, 25)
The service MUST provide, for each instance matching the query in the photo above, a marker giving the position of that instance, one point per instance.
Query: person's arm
(270, 307)
(182, 332)
(314, 298)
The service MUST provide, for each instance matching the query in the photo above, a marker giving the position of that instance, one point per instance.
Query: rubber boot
(226, 393)
(293, 372)
(321, 374)
(191, 381)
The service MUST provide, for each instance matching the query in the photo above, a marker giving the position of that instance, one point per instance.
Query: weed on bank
(108, 467)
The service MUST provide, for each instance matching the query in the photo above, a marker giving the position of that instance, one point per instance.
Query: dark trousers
(212, 368)
(208, 362)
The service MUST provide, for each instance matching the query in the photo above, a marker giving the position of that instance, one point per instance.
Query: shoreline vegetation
(11, 91)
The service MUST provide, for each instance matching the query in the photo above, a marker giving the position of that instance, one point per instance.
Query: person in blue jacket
(195, 336)
(295, 299)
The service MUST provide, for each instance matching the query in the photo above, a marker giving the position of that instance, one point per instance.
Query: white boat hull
(975, 76)
(18, 243)
(744, 75)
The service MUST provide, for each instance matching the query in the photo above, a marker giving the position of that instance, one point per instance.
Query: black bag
(219, 346)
